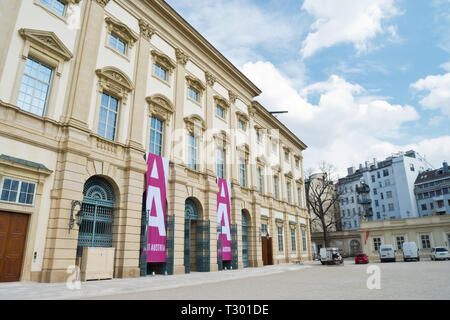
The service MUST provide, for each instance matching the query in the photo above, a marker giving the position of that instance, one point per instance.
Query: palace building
(87, 89)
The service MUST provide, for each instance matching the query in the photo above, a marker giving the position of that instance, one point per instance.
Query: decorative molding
(115, 81)
(300, 181)
(163, 60)
(147, 31)
(222, 139)
(242, 116)
(218, 100)
(243, 150)
(232, 96)
(47, 40)
(210, 79)
(195, 124)
(121, 30)
(182, 57)
(160, 107)
(276, 168)
(289, 175)
(251, 110)
(102, 3)
(195, 83)
(262, 160)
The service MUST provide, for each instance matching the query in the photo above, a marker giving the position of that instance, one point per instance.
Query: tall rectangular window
(260, 181)
(304, 239)
(280, 238)
(192, 152)
(107, 121)
(376, 244)
(400, 241)
(161, 72)
(299, 195)
(33, 94)
(56, 5)
(293, 240)
(243, 172)
(242, 125)
(288, 192)
(194, 94)
(17, 191)
(275, 187)
(156, 136)
(220, 163)
(426, 244)
(118, 44)
(220, 112)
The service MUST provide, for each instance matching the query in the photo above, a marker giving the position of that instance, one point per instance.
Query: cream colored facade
(426, 232)
(66, 143)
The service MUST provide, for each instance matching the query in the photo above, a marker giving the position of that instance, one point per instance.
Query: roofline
(278, 123)
(204, 44)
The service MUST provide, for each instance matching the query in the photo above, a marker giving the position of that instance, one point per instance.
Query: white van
(410, 251)
(387, 253)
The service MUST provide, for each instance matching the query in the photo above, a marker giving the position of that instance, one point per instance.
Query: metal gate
(244, 241)
(98, 215)
(190, 214)
(202, 246)
(219, 248)
(234, 246)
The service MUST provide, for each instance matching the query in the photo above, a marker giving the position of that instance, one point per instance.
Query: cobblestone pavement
(400, 280)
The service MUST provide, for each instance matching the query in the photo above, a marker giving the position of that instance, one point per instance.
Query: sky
(361, 79)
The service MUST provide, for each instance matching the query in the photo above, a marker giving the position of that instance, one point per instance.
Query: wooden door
(264, 251)
(13, 232)
(269, 252)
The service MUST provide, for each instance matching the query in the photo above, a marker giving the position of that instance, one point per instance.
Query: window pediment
(218, 100)
(195, 124)
(195, 83)
(163, 60)
(47, 40)
(160, 106)
(114, 81)
(122, 30)
(242, 116)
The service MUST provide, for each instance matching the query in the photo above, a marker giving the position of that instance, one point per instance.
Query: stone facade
(68, 141)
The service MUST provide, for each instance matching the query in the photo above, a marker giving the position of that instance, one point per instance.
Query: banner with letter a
(157, 178)
(223, 219)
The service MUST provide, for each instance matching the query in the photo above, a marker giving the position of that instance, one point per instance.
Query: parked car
(387, 253)
(361, 258)
(410, 251)
(439, 253)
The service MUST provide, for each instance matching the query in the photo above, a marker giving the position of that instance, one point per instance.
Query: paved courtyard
(400, 280)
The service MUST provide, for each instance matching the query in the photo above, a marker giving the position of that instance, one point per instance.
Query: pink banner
(157, 177)
(223, 219)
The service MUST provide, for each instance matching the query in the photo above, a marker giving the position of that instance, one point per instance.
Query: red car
(361, 258)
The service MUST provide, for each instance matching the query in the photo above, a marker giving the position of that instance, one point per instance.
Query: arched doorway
(98, 215)
(245, 242)
(196, 238)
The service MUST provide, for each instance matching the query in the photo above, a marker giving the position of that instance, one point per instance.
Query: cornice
(101, 3)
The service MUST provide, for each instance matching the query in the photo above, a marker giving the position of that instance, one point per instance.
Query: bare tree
(322, 200)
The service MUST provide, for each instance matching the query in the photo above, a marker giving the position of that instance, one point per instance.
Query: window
(242, 125)
(378, 175)
(17, 191)
(56, 5)
(35, 87)
(378, 215)
(288, 192)
(389, 194)
(411, 167)
(161, 72)
(275, 187)
(374, 191)
(299, 196)
(385, 172)
(286, 156)
(373, 178)
(376, 244)
(304, 239)
(242, 172)
(264, 230)
(260, 181)
(424, 207)
(387, 182)
(400, 241)
(194, 94)
(376, 203)
(192, 152)
(107, 121)
(297, 163)
(391, 207)
(381, 195)
(384, 208)
(220, 112)
(220, 163)
(353, 200)
(293, 244)
(118, 44)
(156, 136)
(425, 238)
(280, 238)
(258, 137)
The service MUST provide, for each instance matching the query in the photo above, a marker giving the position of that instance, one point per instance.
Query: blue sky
(361, 79)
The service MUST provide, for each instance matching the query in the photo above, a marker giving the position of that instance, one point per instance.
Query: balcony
(364, 201)
(362, 189)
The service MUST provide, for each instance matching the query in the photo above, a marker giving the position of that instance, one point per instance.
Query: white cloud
(438, 88)
(346, 126)
(347, 21)
(446, 66)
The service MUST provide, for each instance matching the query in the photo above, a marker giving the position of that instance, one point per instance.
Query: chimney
(350, 171)
(374, 161)
(360, 166)
(445, 166)
(367, 164)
